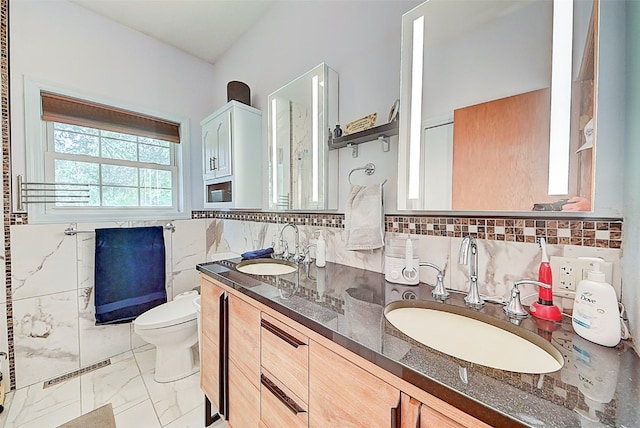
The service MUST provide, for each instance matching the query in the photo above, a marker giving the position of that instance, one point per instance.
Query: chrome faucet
(469, 244)
(296, 255)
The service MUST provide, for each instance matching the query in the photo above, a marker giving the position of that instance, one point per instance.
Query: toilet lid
(170, 313)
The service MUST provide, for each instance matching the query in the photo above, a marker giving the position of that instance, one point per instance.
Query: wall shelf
(381, 132)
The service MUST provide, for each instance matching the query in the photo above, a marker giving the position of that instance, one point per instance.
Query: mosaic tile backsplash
(601, 233)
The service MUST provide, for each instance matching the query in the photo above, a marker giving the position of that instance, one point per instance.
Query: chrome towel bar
(73, 231)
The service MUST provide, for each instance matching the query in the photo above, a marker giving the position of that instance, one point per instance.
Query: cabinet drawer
(285, 354)
(278, 407)
(244, 400)
(209, 373)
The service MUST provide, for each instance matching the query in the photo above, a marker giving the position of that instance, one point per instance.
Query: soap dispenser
(596, 315)
(321, 251)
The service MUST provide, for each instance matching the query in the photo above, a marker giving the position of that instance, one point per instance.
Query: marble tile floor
(127, 383)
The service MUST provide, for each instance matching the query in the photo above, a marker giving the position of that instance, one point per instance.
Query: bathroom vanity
(313, 348)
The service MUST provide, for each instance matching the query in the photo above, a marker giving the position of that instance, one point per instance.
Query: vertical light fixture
(415, 125)
(314, 136)
(274, 151)
(560, 125)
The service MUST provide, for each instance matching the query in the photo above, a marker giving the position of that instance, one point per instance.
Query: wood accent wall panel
(501, 153)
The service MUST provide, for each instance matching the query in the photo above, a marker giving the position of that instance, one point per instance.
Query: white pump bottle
(596, 315)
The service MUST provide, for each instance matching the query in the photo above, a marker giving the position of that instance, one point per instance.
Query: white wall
(68, 46)
(509, 55)
(631, 275)
(358, 39)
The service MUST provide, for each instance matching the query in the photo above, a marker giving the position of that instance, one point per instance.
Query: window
(122, 170)
(107, 163)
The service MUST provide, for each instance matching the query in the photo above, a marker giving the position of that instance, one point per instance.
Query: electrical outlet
(563, 270)
(568, 271)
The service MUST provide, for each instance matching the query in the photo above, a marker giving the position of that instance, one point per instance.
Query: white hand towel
(363, 218)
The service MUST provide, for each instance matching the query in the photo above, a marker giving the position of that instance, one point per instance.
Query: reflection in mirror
(477, 85)
(300, 116)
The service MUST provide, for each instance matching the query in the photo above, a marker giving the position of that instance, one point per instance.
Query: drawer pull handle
(287, 401)
(281, 334)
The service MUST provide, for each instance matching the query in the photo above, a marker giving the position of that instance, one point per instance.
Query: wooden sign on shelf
(361, 124)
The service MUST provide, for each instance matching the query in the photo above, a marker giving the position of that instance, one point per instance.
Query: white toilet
(172, 327)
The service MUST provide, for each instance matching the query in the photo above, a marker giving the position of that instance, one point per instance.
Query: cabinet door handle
(281, 334)
(213, 159)
(286, 400)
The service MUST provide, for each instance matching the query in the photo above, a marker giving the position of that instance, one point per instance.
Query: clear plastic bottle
(321, 251)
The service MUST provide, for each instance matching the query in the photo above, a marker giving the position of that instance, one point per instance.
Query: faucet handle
(285, 253)
(307, 255)
(514, 308)
(439, 292)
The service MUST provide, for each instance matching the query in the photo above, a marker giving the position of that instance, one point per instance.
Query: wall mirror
(497, 105)
(302, 172)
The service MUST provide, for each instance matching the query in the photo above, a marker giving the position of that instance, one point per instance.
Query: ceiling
(203, 28)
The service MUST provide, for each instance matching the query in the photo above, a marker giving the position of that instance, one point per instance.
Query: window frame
(39, 163)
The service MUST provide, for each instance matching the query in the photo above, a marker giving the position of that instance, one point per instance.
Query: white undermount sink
(477, 338)
(266, 267)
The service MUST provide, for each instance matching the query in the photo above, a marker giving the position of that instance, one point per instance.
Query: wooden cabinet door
(216, 142)
(244, 339)
(224, 136)
(244, 363)
(431, 418)
(501, 153)
(410, 412)
(209, 373)
(210, 340)
(244, 400)
(209, 149)
(341, 394)
(414, 414)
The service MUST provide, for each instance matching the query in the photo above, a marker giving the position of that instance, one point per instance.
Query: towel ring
(369, 169)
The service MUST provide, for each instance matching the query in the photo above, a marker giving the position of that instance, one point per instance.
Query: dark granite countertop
(597, 386)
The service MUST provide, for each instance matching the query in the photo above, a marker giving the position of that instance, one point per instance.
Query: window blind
(73, 111)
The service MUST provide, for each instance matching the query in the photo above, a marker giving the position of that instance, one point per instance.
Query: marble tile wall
(53, 310)
(52, 296)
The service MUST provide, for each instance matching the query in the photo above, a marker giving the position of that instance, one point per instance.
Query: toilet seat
(167, 314)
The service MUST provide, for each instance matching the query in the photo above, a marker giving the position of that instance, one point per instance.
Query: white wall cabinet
(232, 155)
